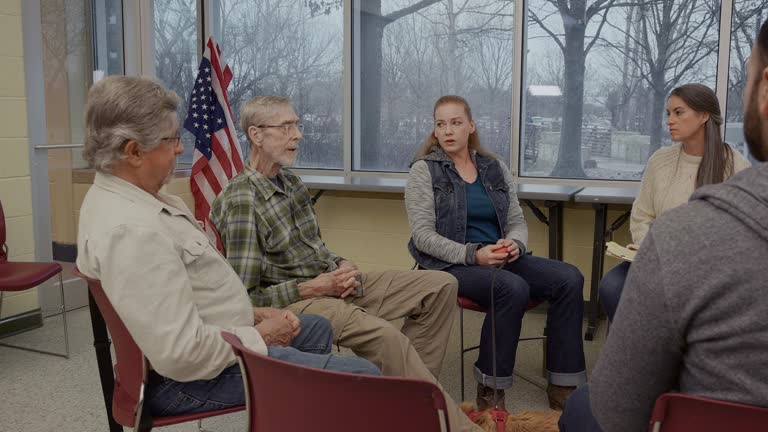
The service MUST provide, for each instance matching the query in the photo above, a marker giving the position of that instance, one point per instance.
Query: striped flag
(217, 156)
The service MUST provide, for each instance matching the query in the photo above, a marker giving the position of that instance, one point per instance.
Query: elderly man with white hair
(173, 290)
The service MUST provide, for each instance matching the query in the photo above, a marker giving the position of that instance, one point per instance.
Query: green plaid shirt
(271, 235)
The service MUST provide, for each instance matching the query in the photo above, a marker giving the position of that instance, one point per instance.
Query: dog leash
(493, 331)
(499, 415)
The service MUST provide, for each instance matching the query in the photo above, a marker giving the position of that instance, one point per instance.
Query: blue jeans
(577, 414)
(311, 348)
(527, 278)
(611, 286)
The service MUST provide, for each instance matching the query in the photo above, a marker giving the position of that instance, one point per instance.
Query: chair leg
(461, 350)
(64, 317)
(544, 354)
(200, 427)
(64, 314)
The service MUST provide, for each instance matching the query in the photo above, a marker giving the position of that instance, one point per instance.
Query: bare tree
(674, 38)
(372, 25)
(747, 18)
(575, 46)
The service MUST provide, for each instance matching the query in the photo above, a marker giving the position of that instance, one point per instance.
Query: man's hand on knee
(262, 313)
(279, 329)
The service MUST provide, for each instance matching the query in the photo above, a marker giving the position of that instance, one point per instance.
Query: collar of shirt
(264, 185)
(166, 202)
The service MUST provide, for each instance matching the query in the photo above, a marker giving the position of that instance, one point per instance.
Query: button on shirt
(172, 289)
(271, 235)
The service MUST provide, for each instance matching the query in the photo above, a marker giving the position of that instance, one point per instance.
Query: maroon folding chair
(131, 371)
(676, 412)
(20, 276)
(465, 303)
(283, 396)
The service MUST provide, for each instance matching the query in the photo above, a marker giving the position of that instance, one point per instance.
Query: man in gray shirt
(692, 318)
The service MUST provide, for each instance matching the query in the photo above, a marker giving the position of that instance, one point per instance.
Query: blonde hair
(258, 110)
(120, 109)
(431, 141)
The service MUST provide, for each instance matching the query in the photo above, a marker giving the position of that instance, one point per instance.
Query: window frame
(139, 60)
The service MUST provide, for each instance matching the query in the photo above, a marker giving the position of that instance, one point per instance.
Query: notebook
(618, 251)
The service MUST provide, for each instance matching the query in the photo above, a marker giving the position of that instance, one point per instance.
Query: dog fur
(525, 421)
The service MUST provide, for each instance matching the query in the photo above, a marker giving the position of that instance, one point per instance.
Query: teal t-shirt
(482, 224)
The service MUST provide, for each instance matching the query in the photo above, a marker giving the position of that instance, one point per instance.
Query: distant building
(544, 101)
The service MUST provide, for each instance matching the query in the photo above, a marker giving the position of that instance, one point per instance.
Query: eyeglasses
(176, 139)
(286, 127)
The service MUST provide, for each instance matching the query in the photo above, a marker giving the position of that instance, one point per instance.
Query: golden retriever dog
(525, 421)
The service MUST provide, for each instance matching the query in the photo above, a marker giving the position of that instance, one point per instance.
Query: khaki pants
(427, 301)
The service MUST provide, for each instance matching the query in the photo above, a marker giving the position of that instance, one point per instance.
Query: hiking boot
(557, 395)
(485, 398)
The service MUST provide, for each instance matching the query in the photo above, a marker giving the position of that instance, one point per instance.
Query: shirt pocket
(278, 238)
(443, 192)
(205, 266)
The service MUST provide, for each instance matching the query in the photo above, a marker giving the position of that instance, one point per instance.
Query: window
(176, 61)
(747, 17)
(108, 36)
(408, 53)
(289, 48)
(595, 94)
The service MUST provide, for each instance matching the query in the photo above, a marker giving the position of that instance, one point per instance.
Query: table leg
(101, 343)
(598, 251)
(555, 227)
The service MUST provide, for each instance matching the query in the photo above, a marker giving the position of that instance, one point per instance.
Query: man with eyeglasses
(272, 239)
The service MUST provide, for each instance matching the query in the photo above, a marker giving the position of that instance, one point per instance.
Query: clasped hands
(495, 254)
(340, 283)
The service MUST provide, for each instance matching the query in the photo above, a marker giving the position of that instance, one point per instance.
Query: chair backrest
(3, 247)
(286, 396)
(130, 367)
(680, 412)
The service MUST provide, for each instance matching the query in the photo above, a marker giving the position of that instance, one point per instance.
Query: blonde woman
(465, 219)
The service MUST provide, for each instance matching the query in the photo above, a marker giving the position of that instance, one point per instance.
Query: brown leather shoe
(485, 398)
(557, 395)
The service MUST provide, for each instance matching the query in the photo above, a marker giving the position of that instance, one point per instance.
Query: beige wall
(372, 228)
(15, 185)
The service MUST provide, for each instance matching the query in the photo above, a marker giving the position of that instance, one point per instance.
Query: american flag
(217, 156)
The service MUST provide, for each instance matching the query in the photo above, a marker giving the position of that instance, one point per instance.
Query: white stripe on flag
(205, 188)
(215, 165)
(223, 142)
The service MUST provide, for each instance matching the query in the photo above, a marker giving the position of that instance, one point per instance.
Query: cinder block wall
(372, 229)
(15, 181)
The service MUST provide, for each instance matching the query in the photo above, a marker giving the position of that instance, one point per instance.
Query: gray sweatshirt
(693, 316)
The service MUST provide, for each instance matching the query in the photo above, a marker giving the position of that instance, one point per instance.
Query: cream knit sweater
(668, 182)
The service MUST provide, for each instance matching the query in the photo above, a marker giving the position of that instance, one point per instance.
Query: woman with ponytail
(673, 173)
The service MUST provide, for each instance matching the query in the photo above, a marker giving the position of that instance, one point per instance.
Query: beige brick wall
(372, 229)
(15, 184)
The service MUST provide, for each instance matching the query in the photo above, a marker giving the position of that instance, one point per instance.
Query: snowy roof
(544, 90)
